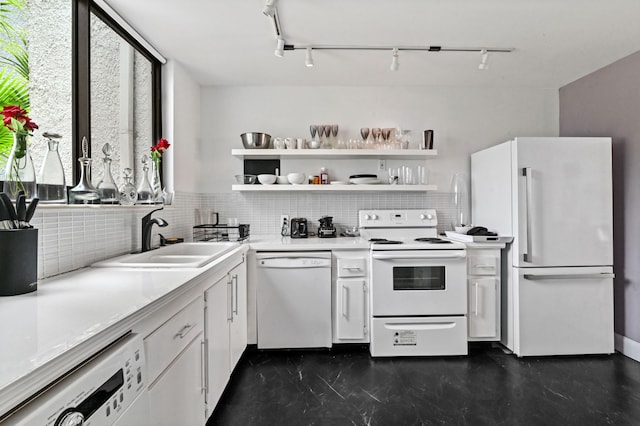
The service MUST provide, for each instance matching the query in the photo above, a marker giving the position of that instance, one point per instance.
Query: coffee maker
(326, 229)
(299, 228)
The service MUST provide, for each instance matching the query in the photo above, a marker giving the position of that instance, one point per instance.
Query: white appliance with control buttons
(418, 285)
(110, 389)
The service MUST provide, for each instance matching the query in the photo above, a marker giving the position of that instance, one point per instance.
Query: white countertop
(69, 310)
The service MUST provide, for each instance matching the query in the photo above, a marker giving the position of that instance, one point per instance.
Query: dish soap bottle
(107, 186)
(84, 192)
(52, 186)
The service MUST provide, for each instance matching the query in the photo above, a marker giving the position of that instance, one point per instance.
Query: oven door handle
(386, 256)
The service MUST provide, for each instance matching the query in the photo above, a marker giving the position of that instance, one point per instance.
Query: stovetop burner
(384, 241)
(432, 240)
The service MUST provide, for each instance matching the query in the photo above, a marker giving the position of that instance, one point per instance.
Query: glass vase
(51, 180)
(156, 184)
(20, 175)
(460, 200)
(145, 191)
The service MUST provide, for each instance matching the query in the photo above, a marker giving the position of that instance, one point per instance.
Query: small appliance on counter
(299, 228)
(327, 229)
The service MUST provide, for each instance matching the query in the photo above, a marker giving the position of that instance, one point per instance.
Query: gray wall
(607, 103)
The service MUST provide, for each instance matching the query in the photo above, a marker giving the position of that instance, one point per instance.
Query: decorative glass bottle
(84, 192)
(20, 175)
(145, 191)
(128, 192)
(52, 186)
(108, 190)
(460, 199)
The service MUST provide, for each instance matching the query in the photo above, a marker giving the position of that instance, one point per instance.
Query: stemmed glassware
(327, 132)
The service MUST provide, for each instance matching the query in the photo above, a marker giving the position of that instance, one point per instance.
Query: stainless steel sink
(184, 255)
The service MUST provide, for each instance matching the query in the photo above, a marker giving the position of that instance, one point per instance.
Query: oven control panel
(397, 218)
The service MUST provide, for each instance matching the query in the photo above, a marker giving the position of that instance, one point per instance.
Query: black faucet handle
(163, 240)
(148, 215)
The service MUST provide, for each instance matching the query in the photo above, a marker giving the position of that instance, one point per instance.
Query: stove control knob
(374, 217)
(367, 217)
(427, 216)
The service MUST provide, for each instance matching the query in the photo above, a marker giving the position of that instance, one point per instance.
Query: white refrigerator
(554, 196)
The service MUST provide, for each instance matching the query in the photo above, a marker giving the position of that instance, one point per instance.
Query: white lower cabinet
(483, 291)
(175, 360)
(225, 330)
(177, 398)
(350, 297)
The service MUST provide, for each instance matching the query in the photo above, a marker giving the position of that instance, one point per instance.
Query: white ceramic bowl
(296, 178)
(313, 144)
(267, 179)
(282, 180)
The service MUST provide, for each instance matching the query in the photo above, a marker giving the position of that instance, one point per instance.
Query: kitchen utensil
(255, 140)
(21, 208)
(5, 218)
(246, 179)
(13, 216)
(31, 210)
(266, 179)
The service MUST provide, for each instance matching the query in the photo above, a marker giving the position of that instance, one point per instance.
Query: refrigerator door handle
(527, 173)
(534, 277)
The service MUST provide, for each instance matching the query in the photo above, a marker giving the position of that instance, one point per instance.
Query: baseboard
(627, 347)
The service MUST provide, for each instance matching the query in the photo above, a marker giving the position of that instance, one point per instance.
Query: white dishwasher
(294, 300)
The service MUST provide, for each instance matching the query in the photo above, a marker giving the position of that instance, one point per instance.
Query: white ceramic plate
(339, 182)
(364, 181)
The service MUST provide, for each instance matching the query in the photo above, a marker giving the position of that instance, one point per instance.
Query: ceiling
(230, 42)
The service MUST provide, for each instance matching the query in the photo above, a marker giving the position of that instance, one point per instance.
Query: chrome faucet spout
(147, 224)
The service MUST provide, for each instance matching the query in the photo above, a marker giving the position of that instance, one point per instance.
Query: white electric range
(418, 285)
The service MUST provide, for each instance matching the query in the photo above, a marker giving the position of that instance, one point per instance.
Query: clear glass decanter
(460, 201)
(108, 190)
(128, 192)
(52, 186)
(84, 192)
(145, 191)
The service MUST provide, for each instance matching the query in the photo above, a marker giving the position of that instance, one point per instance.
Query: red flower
(158, 149)
(17, 120)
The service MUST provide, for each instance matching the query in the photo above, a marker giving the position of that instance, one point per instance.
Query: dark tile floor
(488, 387)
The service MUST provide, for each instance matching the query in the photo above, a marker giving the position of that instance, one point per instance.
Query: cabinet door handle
(345, 298)
(477, 296)
(484, 266)
(204, 380)
(235, 294)
(183, 331)
(229, 300)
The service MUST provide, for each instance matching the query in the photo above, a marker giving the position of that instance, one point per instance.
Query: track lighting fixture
(394, 61)
(484, 57)
(269, 8)
(308, 61)
(280, 47)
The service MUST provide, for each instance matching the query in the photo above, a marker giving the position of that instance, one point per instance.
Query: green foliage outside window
(14, 65)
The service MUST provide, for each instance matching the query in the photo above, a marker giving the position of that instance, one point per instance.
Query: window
(86, 76)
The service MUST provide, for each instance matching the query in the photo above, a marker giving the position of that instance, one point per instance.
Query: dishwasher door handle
(294, 263)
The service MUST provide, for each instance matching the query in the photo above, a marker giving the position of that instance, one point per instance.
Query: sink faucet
(147, 223)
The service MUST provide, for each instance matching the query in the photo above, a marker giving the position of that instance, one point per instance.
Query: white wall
(182, 116)
(464, 119)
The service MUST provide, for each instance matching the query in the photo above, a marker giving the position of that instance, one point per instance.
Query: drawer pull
(484, 266)
(183, 331)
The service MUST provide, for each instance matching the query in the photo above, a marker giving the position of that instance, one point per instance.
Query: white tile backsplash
(73, 237)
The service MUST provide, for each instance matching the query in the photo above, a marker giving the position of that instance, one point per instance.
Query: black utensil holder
(18, 261)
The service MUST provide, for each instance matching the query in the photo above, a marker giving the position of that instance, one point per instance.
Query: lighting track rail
(271, 11)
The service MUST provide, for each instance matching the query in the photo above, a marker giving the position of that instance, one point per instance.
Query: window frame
(81, 75)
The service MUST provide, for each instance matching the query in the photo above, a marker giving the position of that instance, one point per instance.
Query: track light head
(484, 57)
(280, 48)
(394, 61)
(308, 61)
